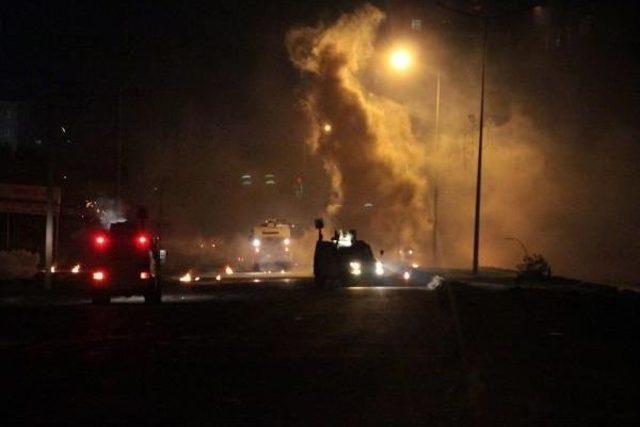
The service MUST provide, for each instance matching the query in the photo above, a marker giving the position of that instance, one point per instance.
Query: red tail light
(142, 241)
(99, 276)
(100, 241)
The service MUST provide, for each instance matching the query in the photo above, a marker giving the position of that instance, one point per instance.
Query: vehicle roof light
(345, 240)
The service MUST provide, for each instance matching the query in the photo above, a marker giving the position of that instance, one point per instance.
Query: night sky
(223, 64)
(159, 58)
(162, 56)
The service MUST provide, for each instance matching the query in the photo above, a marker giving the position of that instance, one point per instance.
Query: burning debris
(186, 278)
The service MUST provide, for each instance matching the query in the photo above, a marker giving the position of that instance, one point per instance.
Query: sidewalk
(503, 280)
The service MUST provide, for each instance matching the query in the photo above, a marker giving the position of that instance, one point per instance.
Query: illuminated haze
(560, 159)
(550, 180)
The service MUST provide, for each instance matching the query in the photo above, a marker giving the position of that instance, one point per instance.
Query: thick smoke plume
(374, 161)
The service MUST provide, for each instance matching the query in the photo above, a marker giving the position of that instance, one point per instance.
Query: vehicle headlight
(287, 242)
(256, 243)
(406, 275)
(379, 268)
(355, 267)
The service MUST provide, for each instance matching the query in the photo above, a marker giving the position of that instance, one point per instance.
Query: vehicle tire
(325, 263)
(154, 297)
(320, 281)
(100, 299)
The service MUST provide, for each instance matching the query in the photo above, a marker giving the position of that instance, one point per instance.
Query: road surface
(288, 354)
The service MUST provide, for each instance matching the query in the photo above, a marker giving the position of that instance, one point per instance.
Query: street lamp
(476, 224)
(401, 59)
(52, 147)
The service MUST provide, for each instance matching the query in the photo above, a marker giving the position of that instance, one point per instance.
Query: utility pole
(434, 237)
(8, 215)
(161, 205)
(485, 20)
(48, 241)
(119, 154)
(476, 228)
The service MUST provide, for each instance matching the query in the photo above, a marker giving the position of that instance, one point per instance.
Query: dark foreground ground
(284, 353)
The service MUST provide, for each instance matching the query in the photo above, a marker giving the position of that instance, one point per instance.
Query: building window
(416, 24)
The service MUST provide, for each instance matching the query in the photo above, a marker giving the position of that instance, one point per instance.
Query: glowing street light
(327, 128)
(400, 59)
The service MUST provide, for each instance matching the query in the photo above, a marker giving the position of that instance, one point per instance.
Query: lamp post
(401, 60)
(485, 20)
(476, 228)
(48, 241)
(119, 149)
(52, 146)
(434, 238)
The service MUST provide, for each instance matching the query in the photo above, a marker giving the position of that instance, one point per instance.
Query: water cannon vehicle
(271, 244)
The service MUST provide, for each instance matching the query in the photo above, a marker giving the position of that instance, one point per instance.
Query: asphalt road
(285, 353)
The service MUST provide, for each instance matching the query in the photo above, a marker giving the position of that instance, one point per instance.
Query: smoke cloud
(375, 164)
